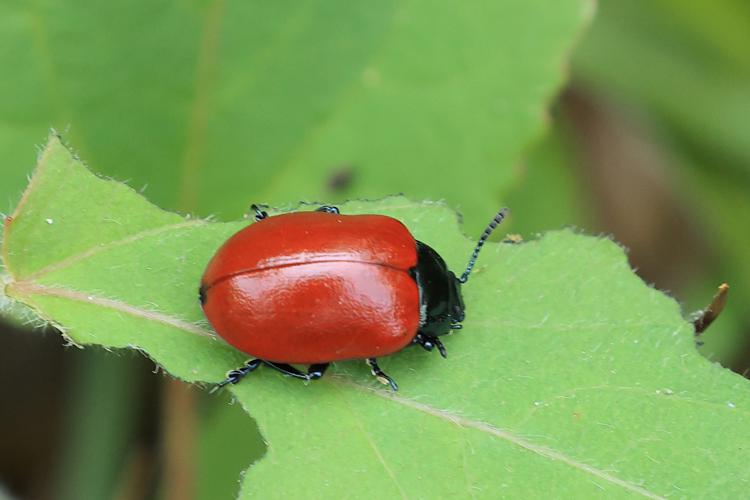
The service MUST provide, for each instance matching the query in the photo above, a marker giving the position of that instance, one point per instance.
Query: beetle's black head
(441, 304)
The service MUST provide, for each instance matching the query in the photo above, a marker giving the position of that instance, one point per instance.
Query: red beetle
(316, 287)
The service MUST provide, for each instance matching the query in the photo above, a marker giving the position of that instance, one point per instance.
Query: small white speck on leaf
(49, 221)
(731, 405)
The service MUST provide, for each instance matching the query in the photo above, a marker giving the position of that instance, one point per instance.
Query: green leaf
(265, 101)
(570, 376)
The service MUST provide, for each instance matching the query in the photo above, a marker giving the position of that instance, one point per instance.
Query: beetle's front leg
(429, 342)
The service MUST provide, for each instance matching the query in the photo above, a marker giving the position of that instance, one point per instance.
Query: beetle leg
(234, 376)
(380, 374)
(440, 346)
(422, 341)
(286, 369)
(428, 343)
(259, 213)
(314, 373)
(329, 209)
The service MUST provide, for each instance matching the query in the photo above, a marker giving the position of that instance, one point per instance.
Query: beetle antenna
(482, 240)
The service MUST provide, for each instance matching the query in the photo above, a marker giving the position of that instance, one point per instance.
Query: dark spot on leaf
(340, 179)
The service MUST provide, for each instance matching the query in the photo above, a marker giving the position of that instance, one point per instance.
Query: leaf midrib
(504, 435)
(27, 289)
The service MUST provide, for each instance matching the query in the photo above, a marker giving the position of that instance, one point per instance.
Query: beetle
(313, 287)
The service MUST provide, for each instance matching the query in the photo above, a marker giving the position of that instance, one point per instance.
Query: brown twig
(710, 313)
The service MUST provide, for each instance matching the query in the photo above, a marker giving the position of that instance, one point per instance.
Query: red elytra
(315, 287)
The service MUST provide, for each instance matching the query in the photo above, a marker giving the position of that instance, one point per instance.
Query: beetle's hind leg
(313, 373)
(380, 374)
(235, 376)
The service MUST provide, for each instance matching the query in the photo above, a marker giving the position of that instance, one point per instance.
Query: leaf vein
(68, 261)
(509, 437)
(376, 450)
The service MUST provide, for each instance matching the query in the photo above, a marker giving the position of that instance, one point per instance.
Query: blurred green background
(637, 131)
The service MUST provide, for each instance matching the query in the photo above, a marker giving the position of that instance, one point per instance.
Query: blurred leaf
(698, 77)
(103, 397)
(548, 193)
(571, 375)
(216, 104)
(229, 441)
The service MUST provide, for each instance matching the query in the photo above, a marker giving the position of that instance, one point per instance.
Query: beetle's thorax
(440, 293)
